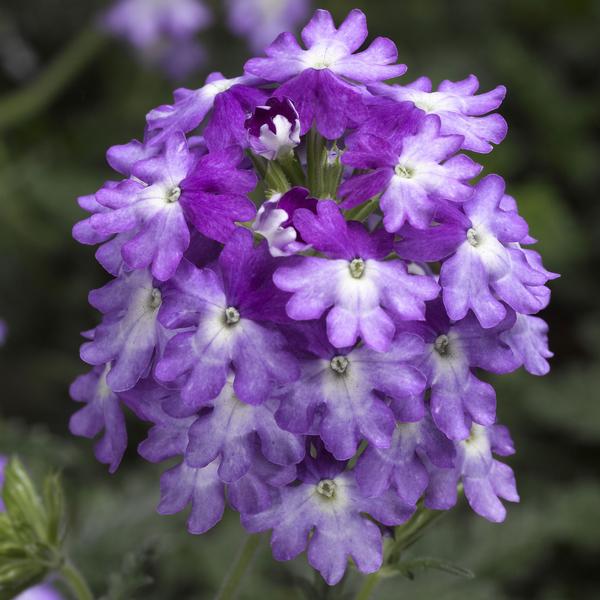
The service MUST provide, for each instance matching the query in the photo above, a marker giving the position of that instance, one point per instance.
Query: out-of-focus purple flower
(328, 513)
(43, 591)
(3, 332)
(275, 221)
(363, 291)
(316, 79)
(413, 172)
(274, 129)
(261, 21)
(486, 480)
(162, 31)
(461, 110)
(228, 314)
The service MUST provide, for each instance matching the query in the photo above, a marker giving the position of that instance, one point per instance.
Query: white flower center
(357, 268)
(173, 195)
(441, 344)
(339, 364)
(155, 299)
(326, 487)
(473, 238)
(404, 171)
(232, 315)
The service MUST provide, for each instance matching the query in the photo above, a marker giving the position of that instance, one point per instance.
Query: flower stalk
(233, 580)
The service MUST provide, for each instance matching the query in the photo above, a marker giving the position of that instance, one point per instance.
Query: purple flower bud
(274, 129)
(274, 221)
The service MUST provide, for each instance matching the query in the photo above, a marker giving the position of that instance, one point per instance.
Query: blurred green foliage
(546, 53)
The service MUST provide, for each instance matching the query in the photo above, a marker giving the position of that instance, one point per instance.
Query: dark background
(547, 54)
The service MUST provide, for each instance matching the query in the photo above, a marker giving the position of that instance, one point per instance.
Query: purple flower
(329, 48)
(528, 339)
(148, 215)
(261, 21)
(275, 217)
(43, 591)
(229, 314)
(400, 466)
(192, 106)
(205, 491)
(485, 479)
(312, 358)
(484, 265)
(453, 351)
(147, 209)
(461, 111)
(109, 253)
(158, 28)
(362, 290)
(412, 173)
(274, 129)
(328, 513)
(130, 335)
(3, 332)
(339, 394)
(229, 431)
(214, 196)
(315, 79)
(102, 412)
(489, 259)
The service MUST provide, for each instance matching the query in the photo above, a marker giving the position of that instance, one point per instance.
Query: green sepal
(292, 169)
(275, 179)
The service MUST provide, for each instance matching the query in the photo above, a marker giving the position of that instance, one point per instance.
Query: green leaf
(18, 575)
(23, 504)
(409, 568)
(54, 502)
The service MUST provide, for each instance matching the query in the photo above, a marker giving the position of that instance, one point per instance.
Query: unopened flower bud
(274, 129)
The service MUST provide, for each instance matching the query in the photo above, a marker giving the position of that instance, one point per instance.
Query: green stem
(76, 582)
(368, 586)
(315, 145)
(26, 103)
(293, 169)
(232, 582)
(409, 533)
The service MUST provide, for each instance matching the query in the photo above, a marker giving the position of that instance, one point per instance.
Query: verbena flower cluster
(307, 286)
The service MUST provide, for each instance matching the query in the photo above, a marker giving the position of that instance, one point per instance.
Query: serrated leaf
(408, 568)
